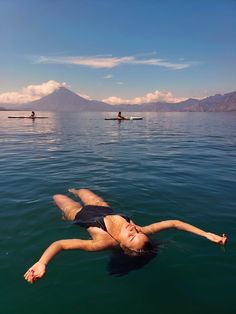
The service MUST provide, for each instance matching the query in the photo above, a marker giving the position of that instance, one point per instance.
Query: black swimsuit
(93, 216)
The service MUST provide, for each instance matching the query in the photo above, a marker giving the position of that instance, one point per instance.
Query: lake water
(167, 166)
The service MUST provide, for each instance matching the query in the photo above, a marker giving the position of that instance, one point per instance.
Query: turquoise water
(168, 166)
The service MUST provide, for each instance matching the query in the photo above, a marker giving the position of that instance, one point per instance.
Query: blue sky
(117, 50)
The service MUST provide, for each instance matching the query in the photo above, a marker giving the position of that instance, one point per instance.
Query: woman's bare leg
(69, 207)
(88, 197)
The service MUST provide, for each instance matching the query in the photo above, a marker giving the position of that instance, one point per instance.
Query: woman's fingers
(224, 238)
(35, 272)
(218, 239)
(29, 275)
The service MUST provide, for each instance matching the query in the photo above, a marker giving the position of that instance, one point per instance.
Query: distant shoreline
(64, 100)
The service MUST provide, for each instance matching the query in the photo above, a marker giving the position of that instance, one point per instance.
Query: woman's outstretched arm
(38, 270)
(180, 225)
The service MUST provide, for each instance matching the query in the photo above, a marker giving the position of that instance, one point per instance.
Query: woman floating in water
(107, 230)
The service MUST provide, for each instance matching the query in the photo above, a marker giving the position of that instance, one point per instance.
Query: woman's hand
(35, 272)
(217, 239)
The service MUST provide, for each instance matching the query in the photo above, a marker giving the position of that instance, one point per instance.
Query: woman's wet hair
(123, 261)
(145, 250)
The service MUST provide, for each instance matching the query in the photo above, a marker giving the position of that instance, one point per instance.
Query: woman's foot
(73, 191)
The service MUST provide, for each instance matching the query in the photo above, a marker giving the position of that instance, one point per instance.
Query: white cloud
(92, 62)
(85, 96)
(112, 62)
(108, 76)
(162, 63)
(31, 92)
(148, 98)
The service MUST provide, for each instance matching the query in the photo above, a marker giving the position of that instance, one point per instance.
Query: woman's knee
(58, 197)
(62, 200)
(84, 191)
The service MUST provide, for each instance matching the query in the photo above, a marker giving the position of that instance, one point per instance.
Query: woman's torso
(100, 221)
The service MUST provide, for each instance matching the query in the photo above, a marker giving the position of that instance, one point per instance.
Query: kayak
(28, 117)
(127, 119)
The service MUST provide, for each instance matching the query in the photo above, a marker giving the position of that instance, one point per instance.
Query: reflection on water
(27, 131)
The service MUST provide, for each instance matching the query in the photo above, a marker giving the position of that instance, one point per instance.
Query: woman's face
(131, 238)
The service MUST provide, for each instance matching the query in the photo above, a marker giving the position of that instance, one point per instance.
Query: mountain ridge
(64, 100)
